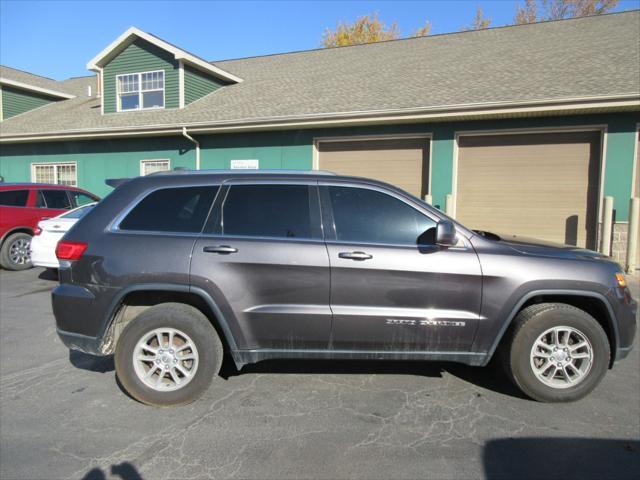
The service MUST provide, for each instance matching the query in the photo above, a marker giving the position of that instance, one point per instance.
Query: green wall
(141, 56)
(96, 160)
(16, 101)
(198, 84)
(294, 150)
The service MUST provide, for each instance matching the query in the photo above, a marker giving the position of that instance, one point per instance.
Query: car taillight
(70, 250)
(37, 231)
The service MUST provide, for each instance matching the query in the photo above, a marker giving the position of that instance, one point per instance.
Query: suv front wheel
(168, 355)
(557, 353)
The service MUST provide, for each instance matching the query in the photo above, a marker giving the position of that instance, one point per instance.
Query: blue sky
(57, 38)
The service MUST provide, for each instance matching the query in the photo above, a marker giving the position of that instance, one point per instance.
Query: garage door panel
(400, 162)
(538, 185)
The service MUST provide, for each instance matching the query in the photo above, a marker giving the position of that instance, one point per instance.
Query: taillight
(37, 231)
(70, 250)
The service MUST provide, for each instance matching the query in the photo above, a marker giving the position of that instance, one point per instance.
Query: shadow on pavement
(490, 377)
(561, 458)
(49, 274)
(124, 471)
(92, 363)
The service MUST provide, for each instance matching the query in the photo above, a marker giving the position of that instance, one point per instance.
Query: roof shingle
(560, 60)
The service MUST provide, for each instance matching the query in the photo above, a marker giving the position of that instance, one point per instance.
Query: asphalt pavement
(62, 415)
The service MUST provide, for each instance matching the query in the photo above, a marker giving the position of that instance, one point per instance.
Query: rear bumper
(79, 315)
(82, 343)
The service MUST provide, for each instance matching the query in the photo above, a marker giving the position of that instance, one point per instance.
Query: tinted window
(14, 198)
(368, 216)
(172, 210)
(268, 211)
(80, 199)
(56, 199)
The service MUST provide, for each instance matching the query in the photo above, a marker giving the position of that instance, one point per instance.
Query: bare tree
(540, 10)
(423, 31)
(479, 21)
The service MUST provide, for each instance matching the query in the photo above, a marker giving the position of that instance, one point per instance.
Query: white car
(49, 232)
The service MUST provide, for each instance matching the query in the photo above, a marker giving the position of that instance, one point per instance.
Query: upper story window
(140, 91)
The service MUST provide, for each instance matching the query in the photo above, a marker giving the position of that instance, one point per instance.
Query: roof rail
(261, 171)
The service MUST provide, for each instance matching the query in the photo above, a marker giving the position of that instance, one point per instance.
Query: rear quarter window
(14, 198)
(183, 209)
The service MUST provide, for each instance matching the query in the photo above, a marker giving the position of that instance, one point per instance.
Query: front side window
(177, 210)
(54, 199)
(56, 173)
(369, 216)
(140, 91)
(14, 198)
(279, 211)
(147, 167)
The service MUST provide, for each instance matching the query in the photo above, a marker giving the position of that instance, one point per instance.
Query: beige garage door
(539, 185)
(401, 162)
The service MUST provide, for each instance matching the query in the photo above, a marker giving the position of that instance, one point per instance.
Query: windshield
(78, 212)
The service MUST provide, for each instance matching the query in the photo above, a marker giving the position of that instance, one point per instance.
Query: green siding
(16, 101)
(198, 84)
(141, 56)
(98, 160)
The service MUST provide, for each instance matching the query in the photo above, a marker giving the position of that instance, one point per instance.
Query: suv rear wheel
(15, 254)
(168, 355)
(558, 353)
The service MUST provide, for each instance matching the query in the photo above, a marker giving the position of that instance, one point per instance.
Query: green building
(522, 129)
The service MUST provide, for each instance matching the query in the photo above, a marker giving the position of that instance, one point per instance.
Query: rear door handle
(222, 249)
(355, 255)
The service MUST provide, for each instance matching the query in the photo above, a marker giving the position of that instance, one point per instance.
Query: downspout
(196, 143)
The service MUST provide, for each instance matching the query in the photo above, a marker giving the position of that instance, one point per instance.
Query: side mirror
(446, 234)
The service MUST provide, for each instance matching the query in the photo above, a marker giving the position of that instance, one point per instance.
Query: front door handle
(360, 256)
(222, 249)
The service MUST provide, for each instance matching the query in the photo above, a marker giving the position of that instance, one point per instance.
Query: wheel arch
(134, 299)
(20, 229)
(593, 303)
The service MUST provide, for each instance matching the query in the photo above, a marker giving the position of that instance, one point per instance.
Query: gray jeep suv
(172, 270)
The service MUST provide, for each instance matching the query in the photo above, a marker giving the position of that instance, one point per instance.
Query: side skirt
(245, 357)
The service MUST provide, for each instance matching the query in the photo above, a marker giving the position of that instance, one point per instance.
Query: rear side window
(172, 210)
(368, 216)
(55, 199)
(14, 198)
(280, 211)
(80, 199)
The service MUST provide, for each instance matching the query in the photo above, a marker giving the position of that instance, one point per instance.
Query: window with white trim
(56, 173)
(147, 167)
(140, 91)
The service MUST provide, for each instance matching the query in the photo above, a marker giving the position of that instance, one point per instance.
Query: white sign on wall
(245, 164)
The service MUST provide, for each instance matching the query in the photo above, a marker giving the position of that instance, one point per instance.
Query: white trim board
(31, 88)
(332, 119)
(132, 33)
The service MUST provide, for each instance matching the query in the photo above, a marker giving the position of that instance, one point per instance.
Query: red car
(22, 206)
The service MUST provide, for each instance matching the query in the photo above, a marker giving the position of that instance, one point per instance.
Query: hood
(534, 246)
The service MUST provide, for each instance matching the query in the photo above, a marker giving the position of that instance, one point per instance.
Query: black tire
(533, 322)
(12, 242)
(183, 318)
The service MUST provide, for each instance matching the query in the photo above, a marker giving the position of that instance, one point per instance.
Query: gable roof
(124, 40)
(580, 65)
(34, 83)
